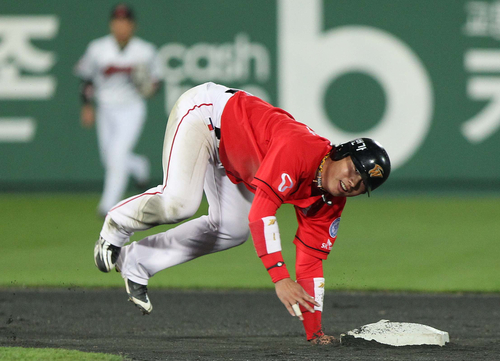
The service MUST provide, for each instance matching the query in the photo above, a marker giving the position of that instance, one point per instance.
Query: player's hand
(291, 293)
(87, 115)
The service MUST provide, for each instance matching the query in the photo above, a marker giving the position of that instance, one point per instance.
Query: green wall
(422, 77)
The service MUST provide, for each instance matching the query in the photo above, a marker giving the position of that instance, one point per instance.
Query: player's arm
(147, 76)
(87, 95)
(267, 242)
(156, 72)
(85, 69)
(155, 88)
(144, 81)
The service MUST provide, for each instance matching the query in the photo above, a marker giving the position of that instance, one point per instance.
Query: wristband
(86, 91)
(275, 266)
(279, 264)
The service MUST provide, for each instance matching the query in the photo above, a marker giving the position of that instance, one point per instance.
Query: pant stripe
(168, 166)
(173, 141)
(131, 199)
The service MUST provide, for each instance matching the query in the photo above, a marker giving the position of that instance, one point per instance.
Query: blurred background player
(118, 72)
(249, 158)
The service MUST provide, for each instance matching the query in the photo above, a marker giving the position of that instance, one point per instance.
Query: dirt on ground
(241, 325)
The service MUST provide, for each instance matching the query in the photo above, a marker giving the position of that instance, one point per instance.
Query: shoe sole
(142, 309)
(145, 308)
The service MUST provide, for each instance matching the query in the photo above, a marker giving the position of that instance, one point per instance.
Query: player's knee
(238, 232)
(176, 211)
(233, 228)
(162, 210)
(241, 237)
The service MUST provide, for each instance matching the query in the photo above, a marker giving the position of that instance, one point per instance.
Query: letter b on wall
(311, 59)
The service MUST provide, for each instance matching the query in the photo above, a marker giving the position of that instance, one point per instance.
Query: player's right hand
(87, 115)
(290, 293)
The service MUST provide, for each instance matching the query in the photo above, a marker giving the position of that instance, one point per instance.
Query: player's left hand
(87, 116)
(290, 293)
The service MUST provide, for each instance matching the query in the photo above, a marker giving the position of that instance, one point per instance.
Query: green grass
(49, 354)
(414, 243)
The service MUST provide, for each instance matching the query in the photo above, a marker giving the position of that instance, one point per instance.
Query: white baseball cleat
(138, 294)
(105, 255)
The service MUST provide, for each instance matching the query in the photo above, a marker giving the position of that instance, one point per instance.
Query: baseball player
(121, 70)
(249, 157)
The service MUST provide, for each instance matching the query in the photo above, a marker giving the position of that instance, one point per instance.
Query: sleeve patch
(334, 227)
(286, 183)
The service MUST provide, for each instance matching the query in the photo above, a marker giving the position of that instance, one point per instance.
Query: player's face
(341, 179)
(122, 29)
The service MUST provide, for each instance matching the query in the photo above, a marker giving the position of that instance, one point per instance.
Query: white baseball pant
(190, 166)
(118, 130)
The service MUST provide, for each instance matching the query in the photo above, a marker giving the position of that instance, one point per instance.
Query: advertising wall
(422, 77)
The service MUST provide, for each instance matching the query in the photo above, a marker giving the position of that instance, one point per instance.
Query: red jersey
(264, 147)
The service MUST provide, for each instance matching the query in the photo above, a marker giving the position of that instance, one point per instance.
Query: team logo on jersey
(334, 227)
(376, 171)
(110, 70)
(286, 183)
(327, 245)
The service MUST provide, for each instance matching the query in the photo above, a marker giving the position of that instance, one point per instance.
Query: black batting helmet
(370, 159)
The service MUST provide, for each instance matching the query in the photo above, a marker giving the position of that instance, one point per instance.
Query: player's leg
(104, 129)
(138, 166)
(229, 206)
(225, 226)
(189, 143)
(127, 122)
(309, 272)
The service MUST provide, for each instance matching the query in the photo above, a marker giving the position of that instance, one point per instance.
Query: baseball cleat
(138, 294)
(105, 255)
(325, 340)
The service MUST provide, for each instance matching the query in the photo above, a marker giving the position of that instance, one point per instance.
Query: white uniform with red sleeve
(121, 110)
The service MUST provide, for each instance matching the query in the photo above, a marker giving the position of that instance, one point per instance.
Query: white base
(400, 334)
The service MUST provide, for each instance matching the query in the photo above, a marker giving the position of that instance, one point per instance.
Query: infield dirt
(241, 325)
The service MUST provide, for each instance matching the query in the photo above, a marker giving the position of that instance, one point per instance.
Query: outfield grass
(49, 354)
(425, 243)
